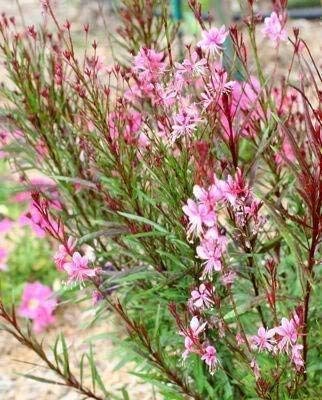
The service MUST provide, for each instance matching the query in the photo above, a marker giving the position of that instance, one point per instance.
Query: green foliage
(126, 204)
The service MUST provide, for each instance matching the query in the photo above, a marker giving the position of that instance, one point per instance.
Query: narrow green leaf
(42, 380)
(125, 394)
(143, 220)
(65, 355)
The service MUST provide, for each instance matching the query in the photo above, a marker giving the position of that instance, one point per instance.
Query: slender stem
(253, 278)
(30, 342)
(240, 325)
(139, 332)
(311, 262)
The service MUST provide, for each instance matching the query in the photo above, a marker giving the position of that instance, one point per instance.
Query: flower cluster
(283, 339)
(186, 97)
(213, 39)
(204, 224)
(193, 343)
(32, 217)
(179, 112)
(203, 216)
(73, 263)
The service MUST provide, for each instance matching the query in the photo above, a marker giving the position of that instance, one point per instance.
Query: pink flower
(34, 219)
(208, 197)
(143, 141)
(240, 339)
(273, 29)
(191, 335)
(185, 122)
(127, 125)
(288, 334)
(149, 64)
(264, 339)
(78, 269)
(219, 85)
(198, 215)
(41, 149)
(189, 347)
(193, 66)
(296, 356)
(228, 278)
(255, 367)
(213, 39)
(62, 254)
(194, 329)
(201, 297)
(21, 197)
(210, 358)
(133, 122)
(287, 153)
(196, 326)
(167, 96)
(246, 94)
(234, 188)
(38, 304)
(5, 226)
(211, 250)
(221, 187)
(60, 257)
(3, 259)
(243, 111)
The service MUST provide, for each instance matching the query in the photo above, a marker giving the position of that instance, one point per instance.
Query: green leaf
(92, 366)
(81, 368)
(42, 380)
(82, 182)
(143, 220)
(270, 244)
(65, 356)
(108, 232)
(244, 307)
(157, 321)
(125, 394)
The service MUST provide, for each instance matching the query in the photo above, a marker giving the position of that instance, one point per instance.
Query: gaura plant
(198, 188)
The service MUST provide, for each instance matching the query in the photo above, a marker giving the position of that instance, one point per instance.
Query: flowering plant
(198, 189)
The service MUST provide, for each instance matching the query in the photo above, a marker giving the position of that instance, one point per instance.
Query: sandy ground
(15, 387)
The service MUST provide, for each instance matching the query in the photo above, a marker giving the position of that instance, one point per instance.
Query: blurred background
(25, 255)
